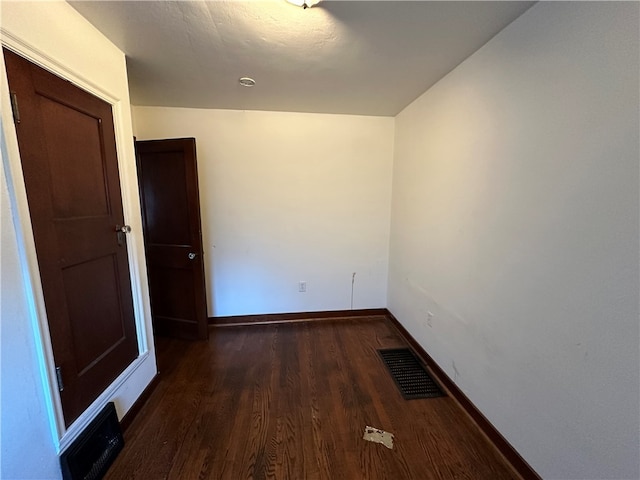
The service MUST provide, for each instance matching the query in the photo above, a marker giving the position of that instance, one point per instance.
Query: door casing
(62, 436)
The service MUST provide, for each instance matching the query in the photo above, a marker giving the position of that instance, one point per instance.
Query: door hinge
(14, 107)
(59, 378)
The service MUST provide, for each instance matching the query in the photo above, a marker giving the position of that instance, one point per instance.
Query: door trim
(12, 165)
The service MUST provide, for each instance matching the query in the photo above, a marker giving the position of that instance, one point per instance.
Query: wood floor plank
(291, 401)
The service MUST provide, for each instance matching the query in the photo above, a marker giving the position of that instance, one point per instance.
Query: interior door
(168, 180)
(68, 152)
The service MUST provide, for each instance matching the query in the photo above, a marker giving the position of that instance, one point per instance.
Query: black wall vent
(410, 376)
(92, 453)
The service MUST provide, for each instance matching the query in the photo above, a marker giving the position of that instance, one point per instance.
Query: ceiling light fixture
(247, 82)
(304, 3)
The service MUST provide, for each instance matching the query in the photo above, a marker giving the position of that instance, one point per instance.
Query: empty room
(323, 240)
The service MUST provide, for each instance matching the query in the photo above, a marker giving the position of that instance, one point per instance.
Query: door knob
(120, 231)
(192, 255)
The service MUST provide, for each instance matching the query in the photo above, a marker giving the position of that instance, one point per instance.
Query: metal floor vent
(409, 374)
(92, 453)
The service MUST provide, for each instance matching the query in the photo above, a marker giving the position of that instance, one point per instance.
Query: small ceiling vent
(247, 82)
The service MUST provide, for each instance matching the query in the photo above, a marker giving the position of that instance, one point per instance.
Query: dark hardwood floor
(291, 401)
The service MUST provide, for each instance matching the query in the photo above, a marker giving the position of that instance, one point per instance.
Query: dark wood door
(168, 180)
(68, 152)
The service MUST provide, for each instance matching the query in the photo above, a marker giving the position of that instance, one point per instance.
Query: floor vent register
(410, 375)
(92, 453)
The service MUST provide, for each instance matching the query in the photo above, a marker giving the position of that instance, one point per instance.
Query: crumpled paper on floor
(376, 435)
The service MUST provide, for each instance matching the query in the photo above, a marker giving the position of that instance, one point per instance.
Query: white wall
(515, 222)
(56, 36)
(287, 197)
(24, 425)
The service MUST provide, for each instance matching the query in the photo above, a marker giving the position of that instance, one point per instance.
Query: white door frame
(63, 436)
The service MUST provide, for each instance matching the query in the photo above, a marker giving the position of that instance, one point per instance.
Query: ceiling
(351, 57)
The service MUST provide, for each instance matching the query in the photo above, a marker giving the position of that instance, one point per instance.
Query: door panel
(67, 148)
(166, 216)
(168, 179)
(77, 181)
(93, 339)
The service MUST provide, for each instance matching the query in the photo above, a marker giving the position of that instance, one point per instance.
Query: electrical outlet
(429, 319)
(302, 286)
